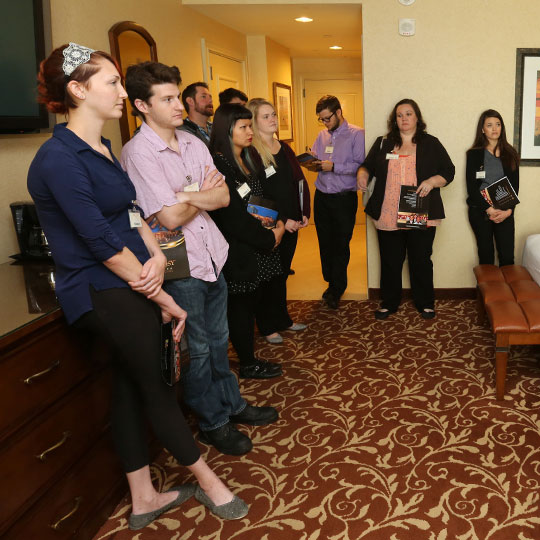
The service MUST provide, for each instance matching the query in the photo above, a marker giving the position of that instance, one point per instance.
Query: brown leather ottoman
(511, 299)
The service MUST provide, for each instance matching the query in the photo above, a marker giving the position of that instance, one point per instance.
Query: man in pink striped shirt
(177, 183)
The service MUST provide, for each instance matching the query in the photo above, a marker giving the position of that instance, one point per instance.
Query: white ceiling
(333, 24)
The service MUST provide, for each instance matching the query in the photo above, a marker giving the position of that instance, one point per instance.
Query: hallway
(307, 283)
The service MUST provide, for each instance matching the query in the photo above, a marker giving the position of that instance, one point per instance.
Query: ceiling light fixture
(303, 19)
(335, 47)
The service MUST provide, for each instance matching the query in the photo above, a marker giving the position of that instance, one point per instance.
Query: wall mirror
(130, 44)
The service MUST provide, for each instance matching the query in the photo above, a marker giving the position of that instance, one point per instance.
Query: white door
(349, 93)
(225, 72)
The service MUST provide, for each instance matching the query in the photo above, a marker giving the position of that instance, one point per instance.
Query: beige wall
(177, 31)
(461, 61)
(455, 68)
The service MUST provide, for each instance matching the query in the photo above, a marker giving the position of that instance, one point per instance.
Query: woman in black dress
(490, 158)
(252, 259)
(284, 182)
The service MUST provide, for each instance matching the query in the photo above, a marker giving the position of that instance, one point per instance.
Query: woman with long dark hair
(252, 259)
(407, 155)
(109, 272)
(284, 182)
(489, 159)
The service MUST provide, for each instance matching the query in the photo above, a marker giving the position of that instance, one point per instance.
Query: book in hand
(173, 354)
(500, 194)
(173, 245)
(264, 210)
(309, 162)
(413, 210)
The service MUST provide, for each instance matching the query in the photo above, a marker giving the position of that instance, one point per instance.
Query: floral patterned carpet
(388, 430)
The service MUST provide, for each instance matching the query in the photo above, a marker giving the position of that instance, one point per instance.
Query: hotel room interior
(388, 430)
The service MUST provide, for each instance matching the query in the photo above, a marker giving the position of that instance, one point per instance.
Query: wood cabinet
(59, 475)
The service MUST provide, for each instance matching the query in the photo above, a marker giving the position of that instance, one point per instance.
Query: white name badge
(192, 187)
(269, 171)
(392, 156)
(134, 219)
(480, 175)
(243, 190)
(329, 150)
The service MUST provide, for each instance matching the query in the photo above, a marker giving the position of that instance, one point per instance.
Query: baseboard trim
(440, 294)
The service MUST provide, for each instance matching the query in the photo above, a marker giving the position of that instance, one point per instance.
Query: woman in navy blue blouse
(109, 274)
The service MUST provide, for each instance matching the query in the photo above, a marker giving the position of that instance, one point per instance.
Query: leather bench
(511, 300)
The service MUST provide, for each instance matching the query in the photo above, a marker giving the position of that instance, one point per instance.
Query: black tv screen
(22, 48)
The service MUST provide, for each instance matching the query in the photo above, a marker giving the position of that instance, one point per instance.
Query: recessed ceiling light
(335, 47)
(303, 19)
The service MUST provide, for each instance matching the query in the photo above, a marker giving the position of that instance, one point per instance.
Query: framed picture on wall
(527, 107)
(283, 105)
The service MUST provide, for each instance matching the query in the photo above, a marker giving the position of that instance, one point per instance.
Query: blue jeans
(209, 386)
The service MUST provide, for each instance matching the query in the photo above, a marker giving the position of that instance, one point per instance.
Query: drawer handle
(56, 526)
(52, 367)
(65, 436)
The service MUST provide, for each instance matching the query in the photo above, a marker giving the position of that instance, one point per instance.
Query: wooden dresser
(59, 475)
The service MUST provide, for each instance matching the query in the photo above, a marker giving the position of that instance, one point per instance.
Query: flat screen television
(24, 32)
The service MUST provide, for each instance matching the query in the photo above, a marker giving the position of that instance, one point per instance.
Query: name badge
(269, 171)
(134, 219)
(480, 175)
(392, 156)
(192, 187)
(243, 190)
(329, 150)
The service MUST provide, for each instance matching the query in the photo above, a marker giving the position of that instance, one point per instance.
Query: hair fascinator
(74, 56)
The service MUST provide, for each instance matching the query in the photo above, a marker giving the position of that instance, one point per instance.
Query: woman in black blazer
(252, 259)
(407, 155)
(490, 158)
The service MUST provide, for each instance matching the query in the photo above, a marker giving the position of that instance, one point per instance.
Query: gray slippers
(139, 521)
(234, 509)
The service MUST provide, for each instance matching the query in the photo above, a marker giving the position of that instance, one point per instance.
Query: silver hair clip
(74, 56)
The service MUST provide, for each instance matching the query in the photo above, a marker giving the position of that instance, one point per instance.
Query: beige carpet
(389, 430)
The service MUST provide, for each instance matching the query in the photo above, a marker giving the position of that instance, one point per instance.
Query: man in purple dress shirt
(177, 183)
(340, 150)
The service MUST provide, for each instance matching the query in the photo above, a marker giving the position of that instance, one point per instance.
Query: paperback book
(413, 210)
(173, 245)
(500, 194)
(264, 210)
(308, 161)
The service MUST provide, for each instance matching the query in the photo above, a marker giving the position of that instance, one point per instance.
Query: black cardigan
(244, 233)
(431, 159)
(475, 162)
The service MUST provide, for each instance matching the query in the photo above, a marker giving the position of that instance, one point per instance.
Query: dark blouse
(280, 187)
(251, 257)
(82, 200)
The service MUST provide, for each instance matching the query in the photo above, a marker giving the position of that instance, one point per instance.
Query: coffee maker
(32, 240)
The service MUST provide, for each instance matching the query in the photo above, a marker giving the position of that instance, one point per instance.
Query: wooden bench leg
(501, 359)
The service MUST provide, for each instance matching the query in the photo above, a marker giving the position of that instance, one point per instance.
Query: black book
(500, 194)
(413, 210)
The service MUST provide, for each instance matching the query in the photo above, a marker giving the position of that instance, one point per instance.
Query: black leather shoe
(260, 370)
(331, 301)
(227, 440)
(380, 315)
(255, 416)
(427, 314)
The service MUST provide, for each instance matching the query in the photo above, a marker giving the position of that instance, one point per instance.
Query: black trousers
(272, 314)
(334, 220)
(131, 324)
(417, 245)
(241, 309)
(486, 231)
